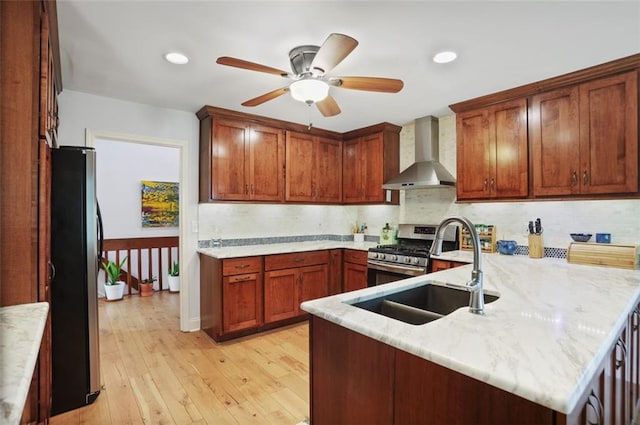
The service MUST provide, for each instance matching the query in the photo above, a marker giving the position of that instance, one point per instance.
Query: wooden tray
(610, 255)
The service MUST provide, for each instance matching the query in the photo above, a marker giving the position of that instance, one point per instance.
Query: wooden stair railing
(145, 250)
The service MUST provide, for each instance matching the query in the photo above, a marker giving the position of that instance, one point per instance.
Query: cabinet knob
(486, 185)
(493, 184)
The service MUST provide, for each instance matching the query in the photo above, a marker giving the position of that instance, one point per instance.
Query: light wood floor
(154, 374)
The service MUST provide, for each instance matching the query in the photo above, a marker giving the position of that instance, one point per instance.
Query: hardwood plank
(154, 373)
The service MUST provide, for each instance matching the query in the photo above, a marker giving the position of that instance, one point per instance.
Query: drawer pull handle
(574, 178)
(243, 278)
(585, 178)
(596, 405)
(298, 260)
(242, 266)
(623, 346)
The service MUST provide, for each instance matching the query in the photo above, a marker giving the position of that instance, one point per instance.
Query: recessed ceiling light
(445, 57)
(176, 58)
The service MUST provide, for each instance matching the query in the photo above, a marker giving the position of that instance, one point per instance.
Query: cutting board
(610, 255)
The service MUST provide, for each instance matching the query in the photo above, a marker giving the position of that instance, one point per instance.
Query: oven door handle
(408, 270)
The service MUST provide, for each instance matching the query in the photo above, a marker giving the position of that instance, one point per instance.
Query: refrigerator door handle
(100, 236)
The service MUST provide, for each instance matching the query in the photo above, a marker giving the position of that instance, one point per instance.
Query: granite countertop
(282, 248)
(542, 340)
(22, 328)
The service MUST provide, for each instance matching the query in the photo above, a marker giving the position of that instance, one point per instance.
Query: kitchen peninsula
(560, 345)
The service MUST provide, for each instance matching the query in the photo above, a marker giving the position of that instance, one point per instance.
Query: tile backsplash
(621, 218)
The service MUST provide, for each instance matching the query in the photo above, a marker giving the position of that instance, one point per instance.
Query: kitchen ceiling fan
(310, 66)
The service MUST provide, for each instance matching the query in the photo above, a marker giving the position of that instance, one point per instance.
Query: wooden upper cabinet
(328, 170)
(554, 129)
(371, 156)
(244, 161)
(266, 156)
(313, 168)
(609, 134)
(585, 138)
(492, 152)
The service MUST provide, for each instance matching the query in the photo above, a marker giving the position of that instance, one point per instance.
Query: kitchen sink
(422, 304)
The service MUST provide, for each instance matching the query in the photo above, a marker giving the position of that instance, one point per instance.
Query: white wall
(81, 111)
(121, 167)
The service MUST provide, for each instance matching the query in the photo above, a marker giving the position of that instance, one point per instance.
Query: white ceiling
(115, 49)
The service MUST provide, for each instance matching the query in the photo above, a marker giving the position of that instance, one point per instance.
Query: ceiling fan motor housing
(301, 58)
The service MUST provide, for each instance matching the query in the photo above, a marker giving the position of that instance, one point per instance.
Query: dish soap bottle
(386, 235)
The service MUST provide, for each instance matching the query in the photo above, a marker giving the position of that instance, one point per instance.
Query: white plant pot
(174, 283)
(114, 292)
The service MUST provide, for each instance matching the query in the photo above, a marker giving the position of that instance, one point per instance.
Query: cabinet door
(372, 155)
(242, 302)
(229, 178)
(328, 170)
(508, 124)
(437, 265)
(355, 277)
(335, 271)
(280, 300)
(314, 283)
(352, 190)
(609, 135)
(554, 122)
(300, 153)
(266, 163)
(620, 386)
(476, 155)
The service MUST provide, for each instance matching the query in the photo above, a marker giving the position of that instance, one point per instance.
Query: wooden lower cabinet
(354, 270)
(335, 271)
(437, 265)
(356, 379)
(287, 286)
(231, 293)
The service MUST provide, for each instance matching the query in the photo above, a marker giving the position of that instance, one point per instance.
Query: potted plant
(174, 277)
(146, 286)
(113, 286)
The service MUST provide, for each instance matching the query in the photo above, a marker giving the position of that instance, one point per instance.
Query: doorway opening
(168, 153)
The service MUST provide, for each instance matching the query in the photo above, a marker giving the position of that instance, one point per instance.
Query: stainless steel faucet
(476, 293)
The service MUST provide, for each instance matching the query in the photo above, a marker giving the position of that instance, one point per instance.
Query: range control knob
(382, 256)
(374, 255)
(407, 259)
(416, 260)
(394, 257)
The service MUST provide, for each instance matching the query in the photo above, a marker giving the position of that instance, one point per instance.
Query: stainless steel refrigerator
(76, 233)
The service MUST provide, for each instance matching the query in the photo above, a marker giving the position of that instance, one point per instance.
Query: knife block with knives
(536, 245)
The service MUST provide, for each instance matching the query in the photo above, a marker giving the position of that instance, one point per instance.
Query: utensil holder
(358, 237)
(536, 246)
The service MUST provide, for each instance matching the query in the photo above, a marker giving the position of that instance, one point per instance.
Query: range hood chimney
(426, 172)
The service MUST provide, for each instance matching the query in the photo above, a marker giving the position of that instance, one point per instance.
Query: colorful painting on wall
(159, 204)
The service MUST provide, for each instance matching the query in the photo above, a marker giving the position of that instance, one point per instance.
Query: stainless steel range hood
(426, 172)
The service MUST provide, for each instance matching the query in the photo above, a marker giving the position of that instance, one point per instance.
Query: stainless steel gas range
(410, 256)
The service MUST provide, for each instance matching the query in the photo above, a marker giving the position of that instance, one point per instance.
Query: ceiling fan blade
(334, 49)
(239, 63)
(266, 97)
(328, 107)
(385, 85)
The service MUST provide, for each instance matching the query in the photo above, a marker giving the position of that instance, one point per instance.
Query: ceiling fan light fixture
(445, 57)
(176, 58)
(309, 90)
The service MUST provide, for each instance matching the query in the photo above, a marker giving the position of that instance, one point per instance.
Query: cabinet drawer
(295, 259)
(355, 256)
(241, 266)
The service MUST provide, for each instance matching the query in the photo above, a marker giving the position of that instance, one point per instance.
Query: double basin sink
(421, 304)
